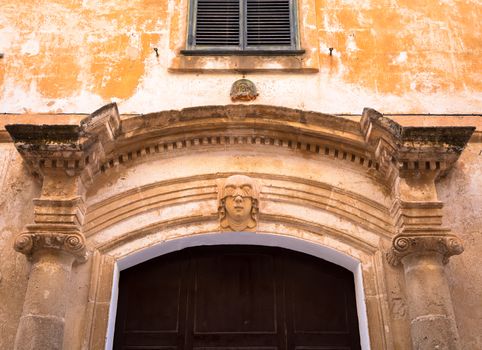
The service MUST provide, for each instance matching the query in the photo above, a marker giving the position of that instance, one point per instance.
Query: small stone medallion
(243, 90)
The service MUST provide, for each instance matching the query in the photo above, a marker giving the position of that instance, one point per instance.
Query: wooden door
(236, 298)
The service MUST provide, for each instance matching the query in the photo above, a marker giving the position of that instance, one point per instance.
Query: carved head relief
(238, 204)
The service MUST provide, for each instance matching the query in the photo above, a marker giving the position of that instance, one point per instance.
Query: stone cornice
(377, 145)
(101, 141)
(408, 243)
(74, 149)
(407, 151)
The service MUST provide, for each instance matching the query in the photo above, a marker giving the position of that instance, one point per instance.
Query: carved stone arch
(109, 260)
(145, 220)
(116, 185)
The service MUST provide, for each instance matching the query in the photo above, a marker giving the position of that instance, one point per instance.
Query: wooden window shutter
(242, 27)
(268, 23)
(217, 23)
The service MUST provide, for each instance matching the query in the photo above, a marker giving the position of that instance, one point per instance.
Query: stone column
(66, 158)
(432, 319)
(52, 244)
(423, 246)
(411, 159)
(42, 323)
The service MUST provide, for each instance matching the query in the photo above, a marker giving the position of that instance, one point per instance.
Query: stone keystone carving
(238, 204)
(444, 244)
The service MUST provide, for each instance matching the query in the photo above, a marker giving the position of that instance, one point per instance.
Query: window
(249, 27)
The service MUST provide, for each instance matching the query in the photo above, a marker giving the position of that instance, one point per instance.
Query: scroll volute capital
(56, 237)
(437, 243)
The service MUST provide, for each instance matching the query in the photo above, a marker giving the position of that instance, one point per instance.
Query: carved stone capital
(56, 237)
(407, 244)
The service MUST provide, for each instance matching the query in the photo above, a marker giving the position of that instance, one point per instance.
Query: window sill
(258, 52)
(247, 63)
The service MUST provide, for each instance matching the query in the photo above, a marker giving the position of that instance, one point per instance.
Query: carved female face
(238, 195)
(238, 201)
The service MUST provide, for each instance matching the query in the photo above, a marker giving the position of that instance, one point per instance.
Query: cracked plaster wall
(16, 210)
(460, 191)
(393, 55)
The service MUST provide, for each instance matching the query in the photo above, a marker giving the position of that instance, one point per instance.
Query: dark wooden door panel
(235, 348)
(236, 298)
(150, 348)
(151, 305)
(240, 288)
(322, 348)
(321, 308)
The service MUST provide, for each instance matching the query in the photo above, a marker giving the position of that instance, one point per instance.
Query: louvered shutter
(268, 23)
(217, 23)
(242, 25)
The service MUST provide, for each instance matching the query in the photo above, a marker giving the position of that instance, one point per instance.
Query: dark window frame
(242, 49)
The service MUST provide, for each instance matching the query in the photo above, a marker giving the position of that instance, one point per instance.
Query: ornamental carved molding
(238, 204)
(52, 237)
(75, 150)
(409, 151)
(442, 243)
(378, 146)
(102, 141)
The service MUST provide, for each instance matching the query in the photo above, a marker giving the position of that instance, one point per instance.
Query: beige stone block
(99, 329)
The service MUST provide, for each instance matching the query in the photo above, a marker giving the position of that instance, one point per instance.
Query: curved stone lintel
(439, 243)
(103, 139)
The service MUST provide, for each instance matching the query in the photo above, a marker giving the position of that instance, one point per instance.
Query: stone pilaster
(423, 246)
(65, 157)
(412, 159)
(52, 243)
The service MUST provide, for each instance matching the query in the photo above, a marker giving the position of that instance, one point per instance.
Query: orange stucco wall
(395, 55)
(402, 46)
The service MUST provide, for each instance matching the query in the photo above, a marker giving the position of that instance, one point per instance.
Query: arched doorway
(236, 297)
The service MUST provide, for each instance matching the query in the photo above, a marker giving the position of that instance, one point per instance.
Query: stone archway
(114, 186)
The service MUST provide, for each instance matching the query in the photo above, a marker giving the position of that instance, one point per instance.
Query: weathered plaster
(398, 56)
(461, 190)
(16, 210)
